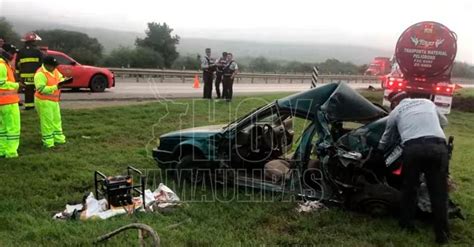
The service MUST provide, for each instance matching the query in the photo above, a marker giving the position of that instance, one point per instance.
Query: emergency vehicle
(85, 76)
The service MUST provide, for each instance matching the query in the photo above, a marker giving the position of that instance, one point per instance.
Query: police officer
(48, 81)
(221, 63)
(9, 109)
(208, 67)
(28, 60)
(230, 70)
(419, 125)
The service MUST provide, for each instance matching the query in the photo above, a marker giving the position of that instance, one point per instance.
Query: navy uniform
(208, 68)
(230, 70)
(220, 65)
(419, 125)
(28, 61)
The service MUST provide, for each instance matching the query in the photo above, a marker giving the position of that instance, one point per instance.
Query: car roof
(339, 101)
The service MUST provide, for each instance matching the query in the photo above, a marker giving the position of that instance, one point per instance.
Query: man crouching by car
(419, 125)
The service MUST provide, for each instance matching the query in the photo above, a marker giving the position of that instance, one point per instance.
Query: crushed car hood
(202, 131)
(339, 101)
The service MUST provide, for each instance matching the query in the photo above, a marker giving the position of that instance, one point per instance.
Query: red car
(95, 78)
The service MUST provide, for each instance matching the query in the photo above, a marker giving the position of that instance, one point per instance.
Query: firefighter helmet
(30, 36)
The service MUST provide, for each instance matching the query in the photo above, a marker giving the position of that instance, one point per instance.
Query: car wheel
(98, 83)
(191, 169)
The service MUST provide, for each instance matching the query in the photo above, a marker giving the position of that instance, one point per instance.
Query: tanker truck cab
(85, 76)
(425, 54)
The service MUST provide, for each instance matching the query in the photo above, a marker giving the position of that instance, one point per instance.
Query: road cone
(196, 82)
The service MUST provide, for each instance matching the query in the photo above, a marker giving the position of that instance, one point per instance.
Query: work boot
(11, 156)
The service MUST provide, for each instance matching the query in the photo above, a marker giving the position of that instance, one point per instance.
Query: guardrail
(162, 75)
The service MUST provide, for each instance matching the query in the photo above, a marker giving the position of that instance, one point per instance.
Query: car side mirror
(73, 63)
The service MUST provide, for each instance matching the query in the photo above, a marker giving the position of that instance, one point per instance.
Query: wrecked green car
(330, 160)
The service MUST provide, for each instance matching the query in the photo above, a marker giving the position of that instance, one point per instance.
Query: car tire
(98, 83)
(191, 169)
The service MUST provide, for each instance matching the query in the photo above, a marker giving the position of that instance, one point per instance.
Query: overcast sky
(352, 22)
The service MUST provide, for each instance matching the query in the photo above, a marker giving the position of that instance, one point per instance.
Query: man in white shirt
(419, 125)
(230, 70)
(208, 67)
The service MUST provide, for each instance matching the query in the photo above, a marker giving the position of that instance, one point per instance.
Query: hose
(139, 226)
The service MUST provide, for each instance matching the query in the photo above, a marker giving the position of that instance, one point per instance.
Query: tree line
(158, 49)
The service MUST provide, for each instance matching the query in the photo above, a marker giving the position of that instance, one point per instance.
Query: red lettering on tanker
(425, 49)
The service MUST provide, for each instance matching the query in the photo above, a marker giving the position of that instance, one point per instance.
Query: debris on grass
(310, 206)
(161, 199)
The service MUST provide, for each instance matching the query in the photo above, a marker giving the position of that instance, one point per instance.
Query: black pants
(219, 76)
(428, 156)
(29, 96)
(228, 84)
(207, 77)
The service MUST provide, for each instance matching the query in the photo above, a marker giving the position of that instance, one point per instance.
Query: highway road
(128, 90)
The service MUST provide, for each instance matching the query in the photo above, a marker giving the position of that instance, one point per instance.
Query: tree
(261, 64)
(159, 39)
(463, 70)
(7, 33)
(147, 58)
(187, 62)
(78, 45)
(136, 58)
(120, 58)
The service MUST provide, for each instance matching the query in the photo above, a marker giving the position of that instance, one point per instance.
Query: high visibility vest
(8, 96)
(52, 81)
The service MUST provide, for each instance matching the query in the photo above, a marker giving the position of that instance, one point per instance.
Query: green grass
(42, 181)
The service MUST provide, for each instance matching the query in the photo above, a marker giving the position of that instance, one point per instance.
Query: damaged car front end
(332, 160)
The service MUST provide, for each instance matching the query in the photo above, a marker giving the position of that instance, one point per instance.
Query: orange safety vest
(52, 81)
(8, 96)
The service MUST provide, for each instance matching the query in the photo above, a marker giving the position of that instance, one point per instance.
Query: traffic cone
(196, 82)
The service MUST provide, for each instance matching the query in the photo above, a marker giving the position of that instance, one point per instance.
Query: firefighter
(221, 62)
(230, 70)
(208, 67)
(419, 125)
(48, 82)
(27, 62)
(9, 109)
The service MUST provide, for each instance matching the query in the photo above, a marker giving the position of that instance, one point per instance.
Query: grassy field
(41, 182)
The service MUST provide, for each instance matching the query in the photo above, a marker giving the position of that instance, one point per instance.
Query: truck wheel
(98, 83)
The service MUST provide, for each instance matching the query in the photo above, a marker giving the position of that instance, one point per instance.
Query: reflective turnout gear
(9, 112)
(27, 62)
(9, 130)
(47, 84)
(50, 119)
(47, 105)
(8, 86)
